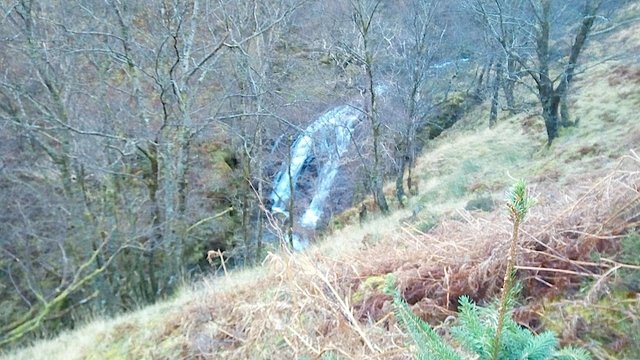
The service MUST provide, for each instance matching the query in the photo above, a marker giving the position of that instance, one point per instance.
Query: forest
(138, 139)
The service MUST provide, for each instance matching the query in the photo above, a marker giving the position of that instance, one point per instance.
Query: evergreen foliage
(518, 204)
(518, 201)
(475, 334)
(429, 344)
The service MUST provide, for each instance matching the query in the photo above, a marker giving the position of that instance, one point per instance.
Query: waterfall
(326, 139)
(445, 64)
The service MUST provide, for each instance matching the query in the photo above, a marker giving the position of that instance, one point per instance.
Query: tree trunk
(589, 15)
(379, 197)
(550, 102)
(182, 171)
(546, 91)
(493, 116)
(509, 82)
(400, 194)
(550, 96)
(377, 177)
(246, 211)
(486, 69)
(152, 183)
(410, 183)
(412, 186)
(565, 117)
(260, 220)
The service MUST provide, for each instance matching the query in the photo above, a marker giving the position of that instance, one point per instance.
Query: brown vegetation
(311, 304)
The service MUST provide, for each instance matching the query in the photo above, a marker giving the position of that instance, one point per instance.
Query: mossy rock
(371, 285)
(610, 324)
(428, 223)
(482, 203)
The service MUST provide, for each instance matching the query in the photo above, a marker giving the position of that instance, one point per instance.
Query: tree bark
(550, 95)
(509, 82)
(152, 178)
(550, 114)
(565, 116)
(372, 114)
(493, 116)
(400, 193)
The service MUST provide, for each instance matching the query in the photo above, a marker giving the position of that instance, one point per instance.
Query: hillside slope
(327, 302)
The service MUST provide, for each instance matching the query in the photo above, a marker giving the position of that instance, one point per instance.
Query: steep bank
(327, 303)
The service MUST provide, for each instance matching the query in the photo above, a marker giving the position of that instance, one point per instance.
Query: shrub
(476, 331)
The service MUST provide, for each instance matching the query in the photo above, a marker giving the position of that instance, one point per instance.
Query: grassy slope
(327, 301)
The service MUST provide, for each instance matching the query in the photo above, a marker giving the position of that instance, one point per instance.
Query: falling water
(326, 139)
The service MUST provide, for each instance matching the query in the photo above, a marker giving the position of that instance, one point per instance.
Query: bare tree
(112, 103)
(72, 218)
(529, 44)
(365, 17)
(257, 30)
(414, 52)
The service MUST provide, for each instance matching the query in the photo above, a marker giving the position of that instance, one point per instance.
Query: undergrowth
(488, 332)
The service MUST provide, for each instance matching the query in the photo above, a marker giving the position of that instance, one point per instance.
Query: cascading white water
(326, 139)
(445, 64)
